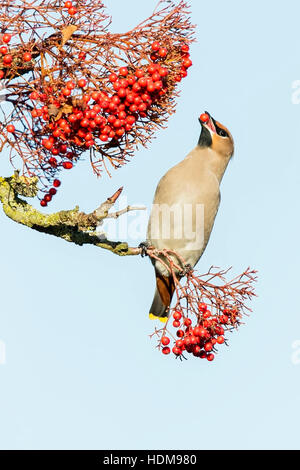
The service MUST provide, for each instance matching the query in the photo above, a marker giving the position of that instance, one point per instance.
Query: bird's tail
(162, 297)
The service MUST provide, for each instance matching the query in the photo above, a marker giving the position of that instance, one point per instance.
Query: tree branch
(71, 225)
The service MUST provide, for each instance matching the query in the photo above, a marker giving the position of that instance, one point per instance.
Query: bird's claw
(144, 247)
(187, 268)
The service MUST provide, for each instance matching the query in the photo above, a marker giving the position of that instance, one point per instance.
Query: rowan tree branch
(70, 225)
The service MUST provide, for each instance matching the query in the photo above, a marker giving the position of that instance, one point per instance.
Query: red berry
(185, 48)
(53, 162)
(208, 347)
(204, 118)
(84, 122)
(47, 143)
(151, 87)
(207, 314)
(34, 95)
(70, 85)
(152, 68)
(163, 72)
(56, 183)
(165, 340)
(162, 52)
(10, 128)
(122, 92)
(177, 315)
(120, 131)
(122, 115)
(123, 71)
(180, 333)
(89, 143)
(202, 306)
(224, 319)
(67, 165)
(155, 76)
(139, 73)
(193, 340)
(183, 73)
(123, 83)
(176, 351)
(52, 191)
(72, 11)
(113, 77)
(180, 344)
(27, 57)
(4, 50)
(7, 59)
(158, 85)
(6, 38)
(220, 340)
(82, 82)
(66, 92)
(210, 357)
(166, 350)
(219, 330)
(103, 137)
(133, 108)
(43, 203)
(68, 4)
(1, 74)
(142, 81)
(130, 120)
(176, 323)
(187, 63)
(55, 133)
(187, 322)
(196, 350)
(155, 46)
(198, 331)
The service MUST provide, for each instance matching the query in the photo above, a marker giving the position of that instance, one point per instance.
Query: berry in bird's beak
(204, 117)
(208, 120)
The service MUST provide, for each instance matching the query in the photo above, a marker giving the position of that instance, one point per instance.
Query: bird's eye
(221, 132)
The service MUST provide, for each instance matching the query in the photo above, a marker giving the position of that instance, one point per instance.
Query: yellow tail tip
(154, 317)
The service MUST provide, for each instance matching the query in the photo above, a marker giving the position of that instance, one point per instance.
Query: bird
(185, 206)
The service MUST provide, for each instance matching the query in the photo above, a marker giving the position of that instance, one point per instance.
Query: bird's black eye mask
(221, 132)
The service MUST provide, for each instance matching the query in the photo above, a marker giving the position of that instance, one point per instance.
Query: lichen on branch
(71, 225)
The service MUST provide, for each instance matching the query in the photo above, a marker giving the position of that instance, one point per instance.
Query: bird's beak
(209, 122)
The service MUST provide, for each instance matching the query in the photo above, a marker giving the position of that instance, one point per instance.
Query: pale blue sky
(80, 369)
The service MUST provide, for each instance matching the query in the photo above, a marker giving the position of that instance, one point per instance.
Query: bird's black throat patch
(205, 139)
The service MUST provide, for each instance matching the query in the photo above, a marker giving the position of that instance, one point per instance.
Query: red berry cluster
(74, 116)
(52, 191)
(70, 7)
(202, 338)
(6, 58)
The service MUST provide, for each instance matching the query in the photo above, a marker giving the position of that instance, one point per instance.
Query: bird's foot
(187, 268)
(144, 247)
